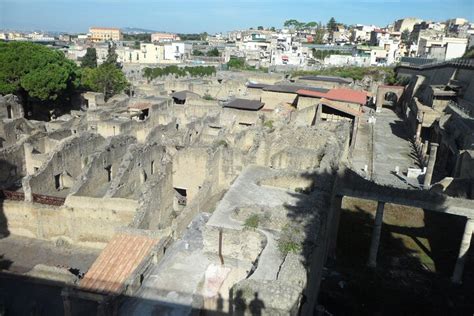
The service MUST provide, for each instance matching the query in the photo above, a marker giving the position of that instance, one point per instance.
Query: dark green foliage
(112, 56)
(356, 73)
(291, 239)
(208, 97)
(197, 71)
(331, 25)
(193, 37)
(213, 53)
(108, 78)
(405, 37)
(252, 222)
(142, 37)
(90, 58)
(294, 24)
(197, 53)
(236, 63)
(35, 71)
(321, 54)
(469, 53)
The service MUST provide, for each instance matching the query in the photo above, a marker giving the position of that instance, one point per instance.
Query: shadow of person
(256, 306)
(239, 304)
(220, 303)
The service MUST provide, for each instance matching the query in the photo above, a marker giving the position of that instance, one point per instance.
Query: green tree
(112, 56)
(236, 63)
(197, 53)
(213, 53)
(291, 23)
(405, 37)
(106, 78)
(319, 33)
(90, 58)
(332, 25)
(273, 29)
(311, 25)
(260, 28)
(35, 71)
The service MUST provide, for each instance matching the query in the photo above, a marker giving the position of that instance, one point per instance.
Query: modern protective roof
(183, 95)
(292, 88)
(338, 107)
(339, 94)
(326, 79)
(116, 263)
(244, 104)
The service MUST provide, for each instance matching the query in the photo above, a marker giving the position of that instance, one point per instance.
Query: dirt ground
(415, 261)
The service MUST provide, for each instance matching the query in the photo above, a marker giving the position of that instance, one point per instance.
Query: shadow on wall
(5, 263)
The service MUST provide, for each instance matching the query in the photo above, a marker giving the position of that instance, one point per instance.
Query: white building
(177, 51)
(445, 48)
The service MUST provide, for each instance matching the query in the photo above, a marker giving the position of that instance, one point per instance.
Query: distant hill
(136, 30)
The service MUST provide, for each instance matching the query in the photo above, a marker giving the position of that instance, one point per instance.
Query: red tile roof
(115, 264)
(338, 94)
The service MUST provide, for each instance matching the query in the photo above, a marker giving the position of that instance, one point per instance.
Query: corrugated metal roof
(115, 264)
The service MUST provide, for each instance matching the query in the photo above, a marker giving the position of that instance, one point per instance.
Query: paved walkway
(387, 148)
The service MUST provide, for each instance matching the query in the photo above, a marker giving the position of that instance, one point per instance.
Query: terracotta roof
(339, 94)
(339, 107)
(140, 106)
(115, 264)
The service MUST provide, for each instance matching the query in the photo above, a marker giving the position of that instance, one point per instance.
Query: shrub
(291, 239)
(252, 221)
(222, 143)
(208, 97)
(268, 124)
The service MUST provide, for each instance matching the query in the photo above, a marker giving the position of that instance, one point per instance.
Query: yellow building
(102, 34)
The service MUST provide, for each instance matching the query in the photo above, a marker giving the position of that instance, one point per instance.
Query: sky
(212, 16)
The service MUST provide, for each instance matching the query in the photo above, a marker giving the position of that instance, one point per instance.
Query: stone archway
(393, 93)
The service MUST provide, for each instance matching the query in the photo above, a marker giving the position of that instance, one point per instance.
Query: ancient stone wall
(63, 167)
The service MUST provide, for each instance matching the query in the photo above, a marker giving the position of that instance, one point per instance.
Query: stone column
(374, 244)
(319, 113)
(463, 249)
(419, 125)
(431, 165)
(424, 150)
